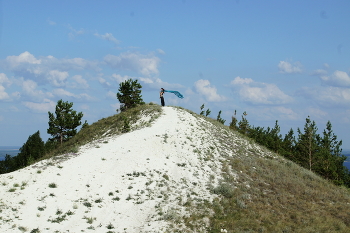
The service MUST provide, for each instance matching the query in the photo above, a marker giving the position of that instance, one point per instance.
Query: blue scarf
(178, 94)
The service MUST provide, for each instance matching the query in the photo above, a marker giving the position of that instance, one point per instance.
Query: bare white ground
(136, 182)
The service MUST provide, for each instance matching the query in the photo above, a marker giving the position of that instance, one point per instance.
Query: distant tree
(129, 94)
(288, 145)
(7, 165)
(202, 111)
(219, 119)
(243, 125)
(233, 123)
(307, 147)
(63, 124)
(32, 150)
(331, 165)
(207, 113)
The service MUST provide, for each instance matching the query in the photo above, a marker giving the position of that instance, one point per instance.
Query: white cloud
(259, 93)
(45, 69)
(108, 37)
(57, 78)
(111, 95)
(143, 64)
(209, 92)
(79, 82)
(3, 94)
(44, 107)
(23, 58)
(4, 79)
(338, 78)
(241, 81)
(64, 94)
(120, 78)
(319, 72)
(74, 33)
(160, 51)
(104, 82)
(29, 88)
(288, 68)
(327, 96)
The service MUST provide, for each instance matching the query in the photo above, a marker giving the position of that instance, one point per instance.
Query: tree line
(63, 125)
(320, 153)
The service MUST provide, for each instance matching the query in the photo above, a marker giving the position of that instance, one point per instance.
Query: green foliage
(319, 154)
(219, 119)
(202, 111)
(129, 94)
(126, 126)
(243, 125)
(233, 123)
(32, 150)
(63, 124)
(206, 113)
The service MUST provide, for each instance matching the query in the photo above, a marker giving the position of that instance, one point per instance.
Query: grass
(113, 125)
(259, 190)
(263, 192)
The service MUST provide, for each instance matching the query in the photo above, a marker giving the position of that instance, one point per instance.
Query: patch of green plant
(52, 185)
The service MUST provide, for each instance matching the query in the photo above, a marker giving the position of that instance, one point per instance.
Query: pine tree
(243, 125)
(129, 94)
(33, 149)
(307, 147)
(331, 166)
(63, 124)
(288, 145)
(219, 119)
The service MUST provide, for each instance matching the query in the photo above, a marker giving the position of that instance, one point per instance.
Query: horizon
(274, 60)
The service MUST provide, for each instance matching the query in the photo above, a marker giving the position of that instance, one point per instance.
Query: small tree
(63, 124)
(219, 119)
(129, 94)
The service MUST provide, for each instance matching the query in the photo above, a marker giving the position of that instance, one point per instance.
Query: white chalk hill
(135, 182)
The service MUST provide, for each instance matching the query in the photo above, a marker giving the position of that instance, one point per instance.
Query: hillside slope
(173, 176)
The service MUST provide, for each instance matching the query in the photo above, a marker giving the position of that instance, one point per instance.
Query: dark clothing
(162, 98)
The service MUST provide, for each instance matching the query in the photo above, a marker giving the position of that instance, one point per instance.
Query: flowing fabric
(178, 94)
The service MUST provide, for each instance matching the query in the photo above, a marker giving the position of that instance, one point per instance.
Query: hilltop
(175, 171)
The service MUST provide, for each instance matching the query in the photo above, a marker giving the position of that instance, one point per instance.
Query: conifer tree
(307, 147)
(129, 94)
(33, 149)
(243, 125)
(63, 124)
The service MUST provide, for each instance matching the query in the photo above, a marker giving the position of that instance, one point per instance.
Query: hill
(175, 171)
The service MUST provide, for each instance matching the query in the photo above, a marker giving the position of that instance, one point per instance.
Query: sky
(274, 59)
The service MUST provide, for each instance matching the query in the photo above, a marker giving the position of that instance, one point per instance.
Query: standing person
(161, 96)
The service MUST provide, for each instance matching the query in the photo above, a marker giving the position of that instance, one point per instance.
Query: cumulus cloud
(45, 69)
(79, 82)
(337, 79)
(45, 106)
(62, 93)
(108, 37)
(143, 64)
(204, 88)
(30, 89)
(57, 78)
(288, 68)
(3, 94)
(259, 93)
(327, 96)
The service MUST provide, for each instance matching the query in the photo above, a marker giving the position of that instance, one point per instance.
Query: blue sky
(276, 60)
